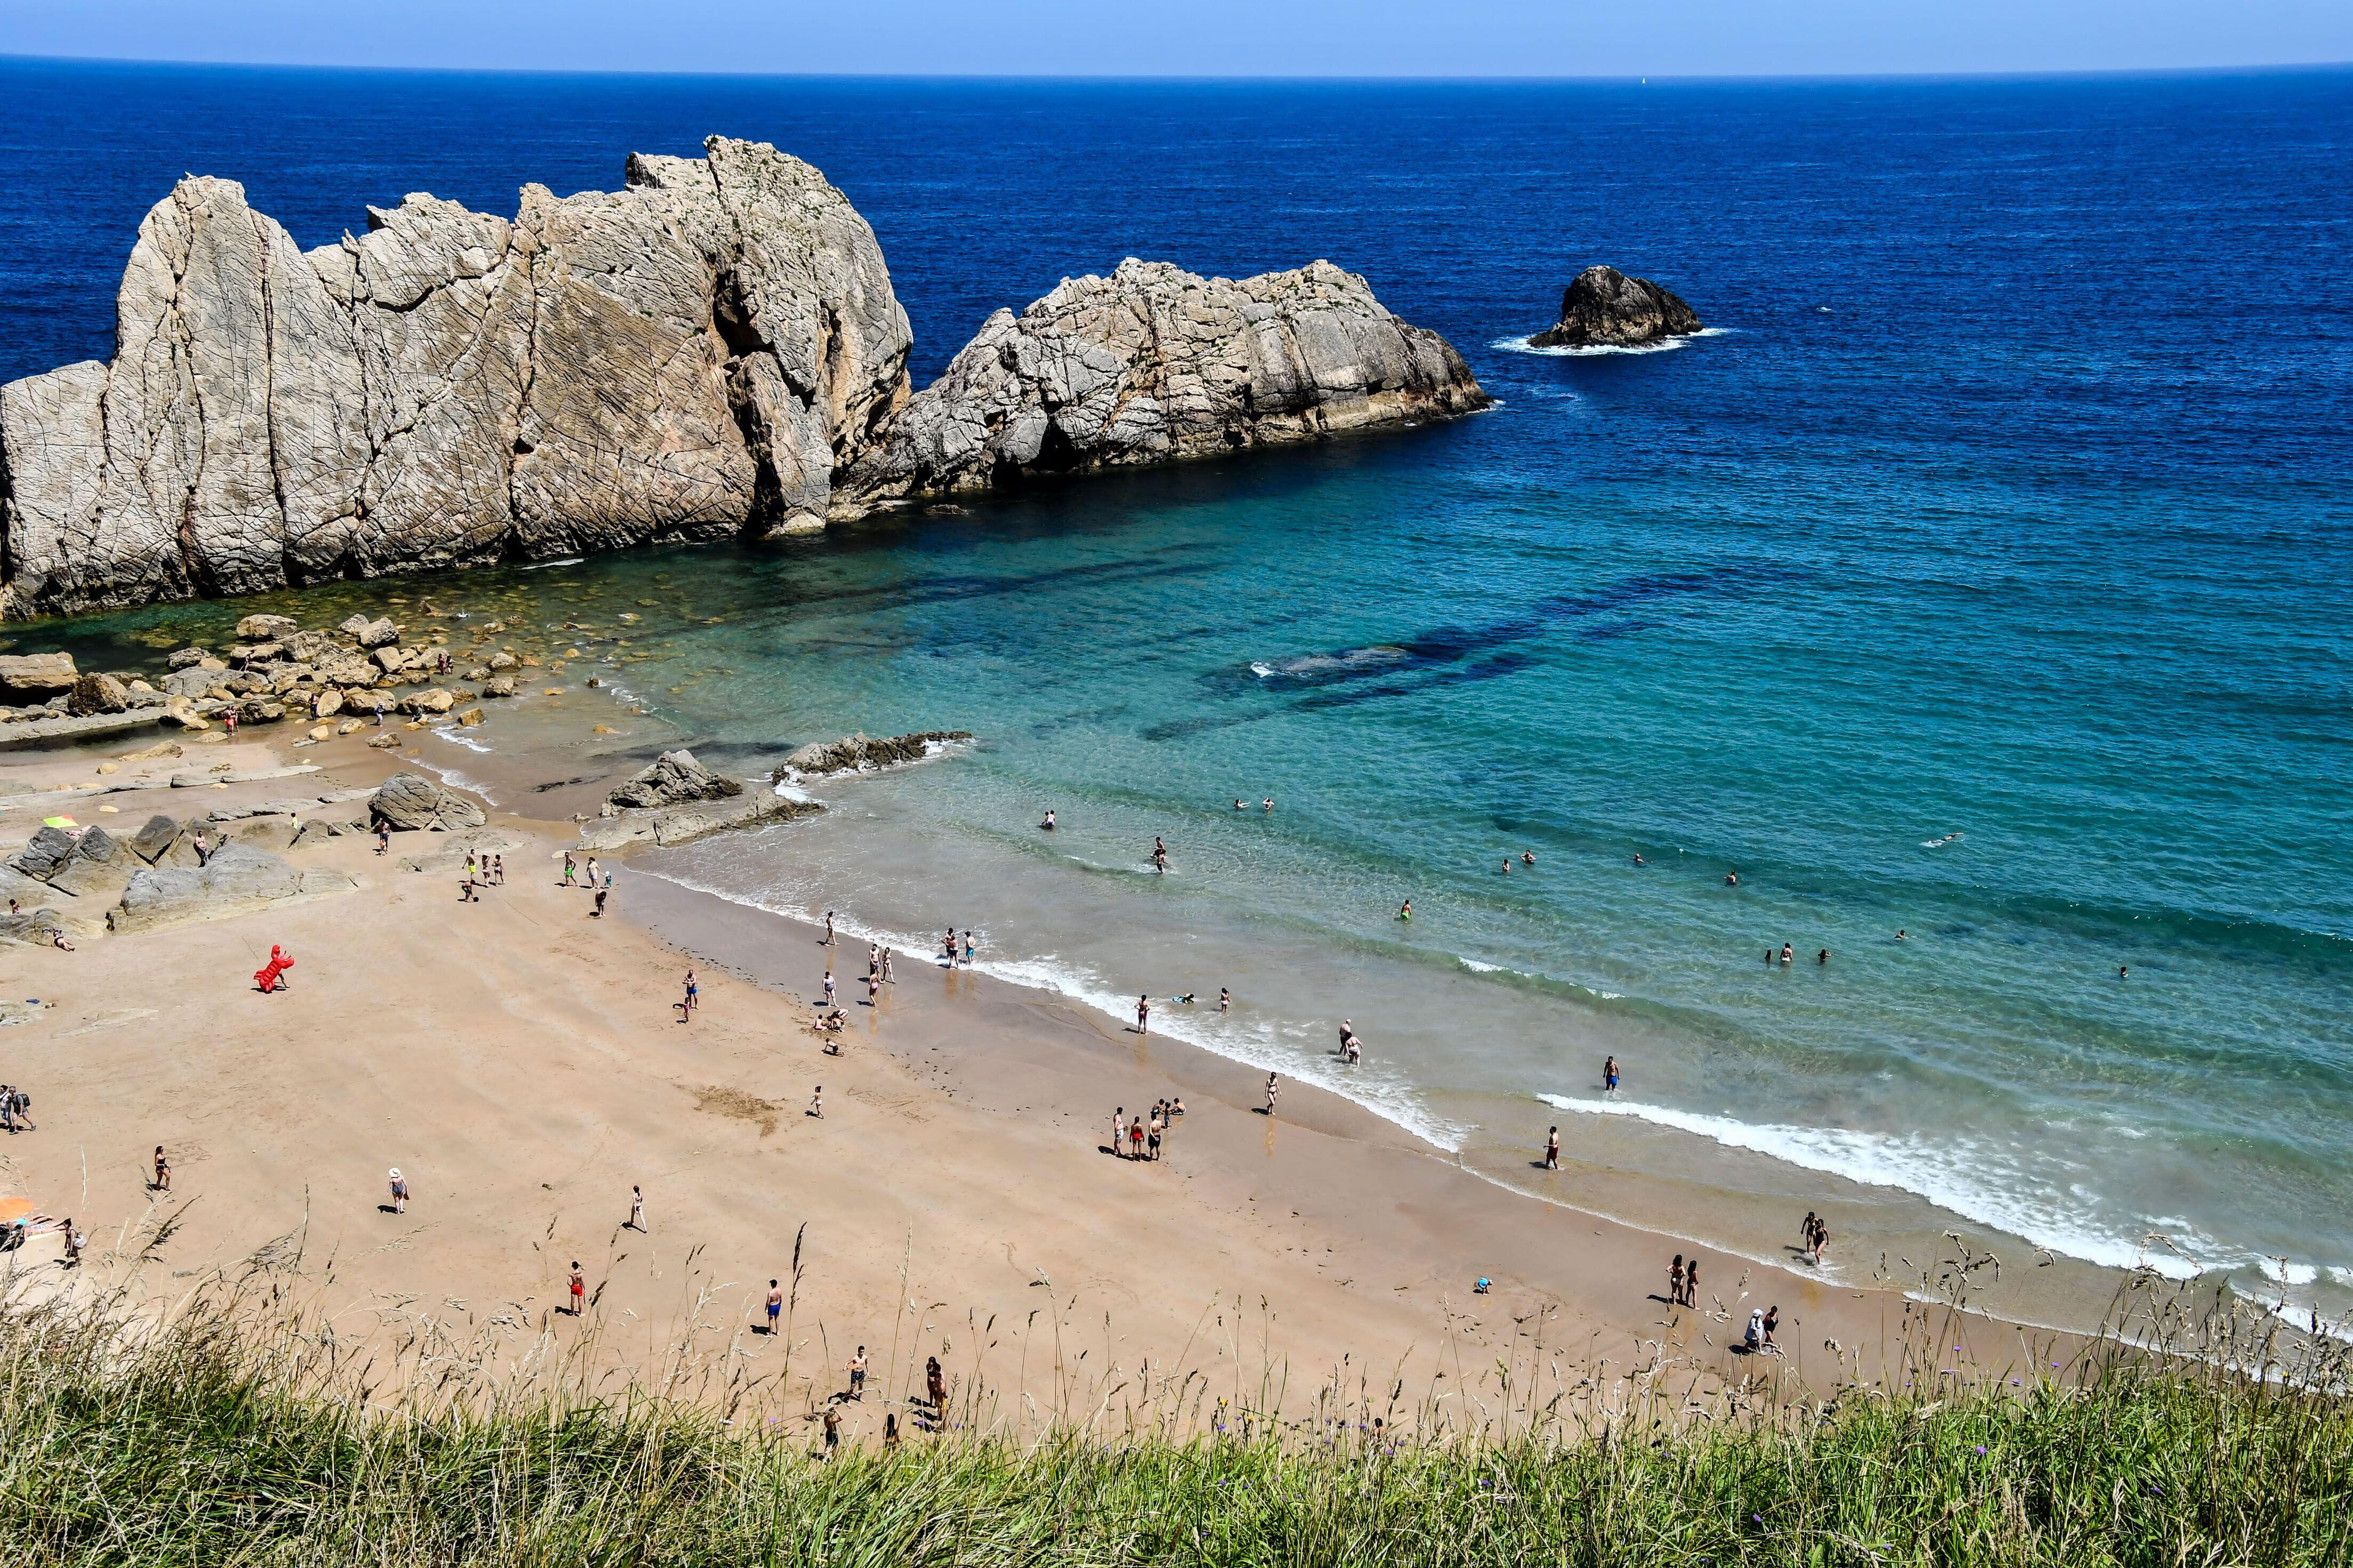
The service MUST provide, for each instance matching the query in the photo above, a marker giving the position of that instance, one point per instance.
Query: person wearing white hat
(399, 1192)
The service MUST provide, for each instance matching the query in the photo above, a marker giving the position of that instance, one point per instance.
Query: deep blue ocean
(1980, 576)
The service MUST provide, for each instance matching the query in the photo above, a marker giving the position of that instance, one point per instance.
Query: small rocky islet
(1604, 308)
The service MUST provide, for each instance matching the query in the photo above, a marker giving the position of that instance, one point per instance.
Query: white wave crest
(1521, 345)
(1970, 1178)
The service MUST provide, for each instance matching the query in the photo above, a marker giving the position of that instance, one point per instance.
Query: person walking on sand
(598, 912)
(1772, 1321)
(887, 978)
(1119, 1132)
(873, 990)
(1552, 1150)
(579, 1288)
(1690, 1282)
(817, 1103)
(497, 871)
(400, 1191)
(592, 871)
(775, 1306)
(637, 1220)
(383, 837)
(162, 1183)
(1273, 1087)
(1144, 1015)
(858, 1374)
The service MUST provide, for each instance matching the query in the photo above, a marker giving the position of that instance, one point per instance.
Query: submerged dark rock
(1605, 307)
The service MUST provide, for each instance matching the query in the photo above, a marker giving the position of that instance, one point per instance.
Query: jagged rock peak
(1155, 362)
(1602, 306)
(692, 356)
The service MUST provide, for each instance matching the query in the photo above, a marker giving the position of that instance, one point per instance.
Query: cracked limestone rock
(1603, 307)
(1155, 363)
(692, 356)
(673, 779)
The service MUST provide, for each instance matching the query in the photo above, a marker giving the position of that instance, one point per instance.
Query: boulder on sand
(35, 676)
(406, 803)
(675, 778)
(40, 859)
(1603, 307)
(97, 693)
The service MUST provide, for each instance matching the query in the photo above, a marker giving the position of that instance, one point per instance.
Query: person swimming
(1048, 824)
(1637, 859)
(1527, 858)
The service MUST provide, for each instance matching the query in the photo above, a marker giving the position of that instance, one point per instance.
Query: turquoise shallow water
(1979, 517)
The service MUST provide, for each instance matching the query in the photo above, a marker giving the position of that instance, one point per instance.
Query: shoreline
(2068, 1295)
(524, 1075)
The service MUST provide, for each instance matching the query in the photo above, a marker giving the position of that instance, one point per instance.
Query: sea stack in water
(708, 352)
(1604, 308)
(1155, 363)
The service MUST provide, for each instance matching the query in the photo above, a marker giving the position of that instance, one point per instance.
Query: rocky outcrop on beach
(674, 779)
(237, 878)
(1154, 363)
(712, 351)
(410, 803)
(687, 357)
(856, 753)
(1603, 307)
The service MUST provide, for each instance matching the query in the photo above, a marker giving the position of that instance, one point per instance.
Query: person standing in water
(1225, 999)
(1405, 910)
(1144, 1015)
(1048, 824)
(1159, 855)
(1609, 1074)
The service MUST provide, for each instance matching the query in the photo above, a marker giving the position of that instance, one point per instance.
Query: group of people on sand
(599, 880)
(485, 871)
(15, 1107)
(1139, 1140)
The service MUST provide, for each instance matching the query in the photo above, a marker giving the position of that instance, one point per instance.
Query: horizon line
(1078, 78)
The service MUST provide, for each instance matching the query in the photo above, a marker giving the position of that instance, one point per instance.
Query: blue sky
(1205, 37)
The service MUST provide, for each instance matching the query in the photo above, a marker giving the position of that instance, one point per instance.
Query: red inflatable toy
(269, 976)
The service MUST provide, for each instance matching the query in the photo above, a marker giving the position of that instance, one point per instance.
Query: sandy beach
(522, 1063)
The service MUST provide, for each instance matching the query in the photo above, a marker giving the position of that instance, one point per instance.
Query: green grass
(234, 1435)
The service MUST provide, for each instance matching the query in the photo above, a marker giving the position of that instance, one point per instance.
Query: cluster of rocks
(275, 671)
(1604, 308)
(712, 351)
(159, 875)
(678, 800)
(859, 753)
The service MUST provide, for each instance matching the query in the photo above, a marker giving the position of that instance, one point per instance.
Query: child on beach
(817, 1103)
(598, 912)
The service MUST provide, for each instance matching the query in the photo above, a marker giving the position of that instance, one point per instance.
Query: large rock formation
(683, 358)
(1603, 307)
(673, 779)
(1155, 362)
(713, 350)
